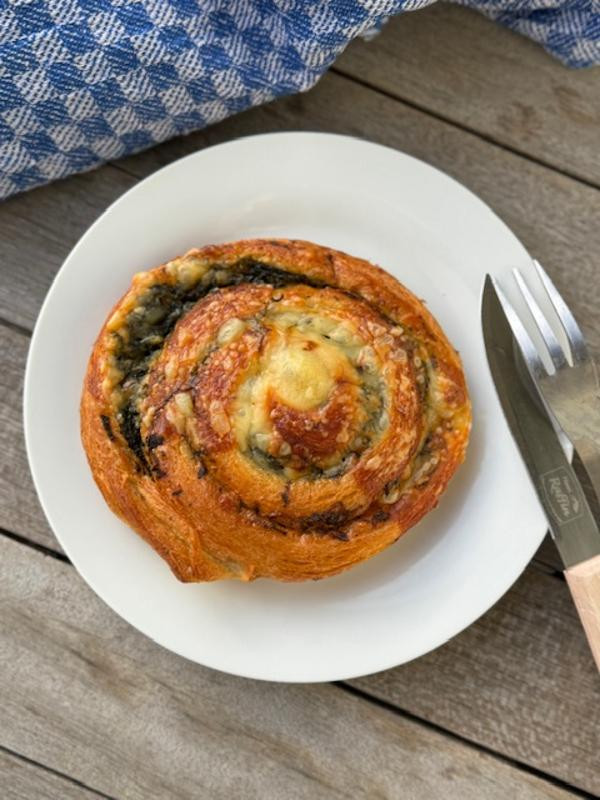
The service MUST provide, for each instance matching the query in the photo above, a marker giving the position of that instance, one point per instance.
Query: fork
(571, 391)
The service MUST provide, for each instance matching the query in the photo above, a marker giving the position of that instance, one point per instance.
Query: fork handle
(584, 582)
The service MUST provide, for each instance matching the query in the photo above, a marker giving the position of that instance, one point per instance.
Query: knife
(572, 524)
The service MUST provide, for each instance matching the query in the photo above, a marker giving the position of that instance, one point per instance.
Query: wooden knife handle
(584, 583)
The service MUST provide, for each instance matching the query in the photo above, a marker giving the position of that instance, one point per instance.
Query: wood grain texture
(87, 695)
(496, 662)
(584, 583)
(21, 780)
(521, 681)
(20, 510)
(39, 228)
(460, 65)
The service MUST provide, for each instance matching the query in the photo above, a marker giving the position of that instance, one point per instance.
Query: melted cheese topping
(230, 331)
(299, 369)
(302, 370)
(188, 270)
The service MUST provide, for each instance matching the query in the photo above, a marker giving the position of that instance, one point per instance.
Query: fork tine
(529, 351)
(553, 345)
(572, 330)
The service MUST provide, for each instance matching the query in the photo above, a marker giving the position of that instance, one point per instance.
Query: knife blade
(570, 519)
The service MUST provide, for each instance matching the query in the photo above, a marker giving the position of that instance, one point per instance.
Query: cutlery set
(550, 395)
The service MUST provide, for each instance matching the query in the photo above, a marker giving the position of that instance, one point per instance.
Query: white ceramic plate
(370, 201)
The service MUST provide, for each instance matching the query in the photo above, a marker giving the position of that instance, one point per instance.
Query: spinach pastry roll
(271, 408)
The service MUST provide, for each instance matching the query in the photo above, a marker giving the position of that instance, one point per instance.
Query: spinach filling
(158, 311)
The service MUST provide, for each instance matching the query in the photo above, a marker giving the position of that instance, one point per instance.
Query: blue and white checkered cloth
(85, 81)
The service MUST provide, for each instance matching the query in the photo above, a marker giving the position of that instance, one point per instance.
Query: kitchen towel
(85, 81)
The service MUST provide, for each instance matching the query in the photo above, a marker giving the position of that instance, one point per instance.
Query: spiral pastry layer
(271, 408)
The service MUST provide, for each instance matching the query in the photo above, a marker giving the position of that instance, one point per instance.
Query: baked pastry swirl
(271, 408)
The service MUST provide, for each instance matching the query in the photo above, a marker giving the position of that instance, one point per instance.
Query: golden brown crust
(271, 408)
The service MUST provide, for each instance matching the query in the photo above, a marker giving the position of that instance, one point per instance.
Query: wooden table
(508, 709)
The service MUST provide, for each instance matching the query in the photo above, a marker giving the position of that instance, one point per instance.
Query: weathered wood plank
(455, 62)
(39, 228)
(521, 681)
(20, 510)
(21, 780)
(88, 696)
(555, 216)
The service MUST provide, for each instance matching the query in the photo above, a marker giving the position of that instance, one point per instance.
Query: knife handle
(584, 583)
